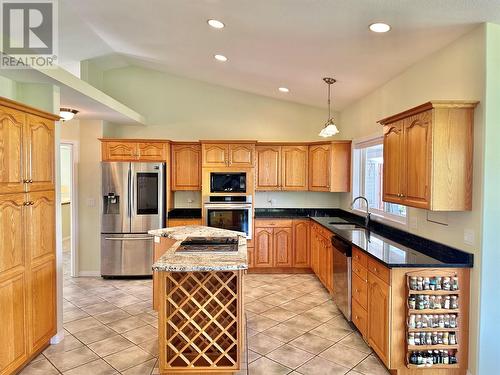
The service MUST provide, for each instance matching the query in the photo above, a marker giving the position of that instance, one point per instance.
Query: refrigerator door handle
(129, 211)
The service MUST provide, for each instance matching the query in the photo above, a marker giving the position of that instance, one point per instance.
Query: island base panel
(200, 318)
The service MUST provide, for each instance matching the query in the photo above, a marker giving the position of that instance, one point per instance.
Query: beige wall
(178, 108)
(455, 72)
(86, 133)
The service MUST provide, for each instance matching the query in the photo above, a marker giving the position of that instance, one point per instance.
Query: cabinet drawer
(359, 270)
(182, 222)
(359, 256)
(359, 318)
(273, 223)
(360, 290)
(382, 272)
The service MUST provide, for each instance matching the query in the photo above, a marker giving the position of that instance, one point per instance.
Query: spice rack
(434, 312)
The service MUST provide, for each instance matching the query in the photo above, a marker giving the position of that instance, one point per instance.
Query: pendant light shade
(329, 129)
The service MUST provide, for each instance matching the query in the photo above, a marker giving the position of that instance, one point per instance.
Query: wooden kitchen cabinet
(228, 154)
(378, 317)
(428, 156)
(322, 255)
(268, 171)
(182, 222)
(263, 250)
(133, 150)
(294, 167)
(301, 243)
(330, 166)
(283, 239)
(186, 167)
(27, 233)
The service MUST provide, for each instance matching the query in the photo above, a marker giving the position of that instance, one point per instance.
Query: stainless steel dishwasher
(342, 255)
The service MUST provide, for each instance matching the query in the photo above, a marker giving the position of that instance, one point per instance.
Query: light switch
(469, 236)
(90, 202)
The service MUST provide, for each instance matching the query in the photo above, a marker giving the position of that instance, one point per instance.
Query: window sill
(384, 218)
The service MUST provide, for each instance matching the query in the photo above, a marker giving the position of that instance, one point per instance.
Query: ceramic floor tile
(260, 323)
(371, 366)
(283, 332)
(128, 358)
(127, 324)
(311, 343)
(290, 356)
(329, 332)
(82, 325)
(355, 341)
(296, 306)
(112, 316)
(142, 369)
(94, 334)
(42, 367)
(151, 346)
(258, 306)
(252, 356)
(110, 345)
(68, 343)
(65, 361)
(320, 366)
(343, 355)
(278, 314)
(302, 322)
(141, 334)
(97, 367)
(99, 308)
(263, 344)
(265, 366)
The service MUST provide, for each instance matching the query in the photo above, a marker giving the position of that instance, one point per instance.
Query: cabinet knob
(32, 203)
(31, 181)
(26, 181)
(26, 203)
(374, 269)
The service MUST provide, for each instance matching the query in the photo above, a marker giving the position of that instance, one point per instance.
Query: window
(367, 181)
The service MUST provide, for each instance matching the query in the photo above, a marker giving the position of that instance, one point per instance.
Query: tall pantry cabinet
(27, 233)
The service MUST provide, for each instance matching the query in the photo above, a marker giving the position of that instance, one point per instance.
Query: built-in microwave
(228, 182)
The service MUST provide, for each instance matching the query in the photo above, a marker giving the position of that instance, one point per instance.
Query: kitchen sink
(347, 226)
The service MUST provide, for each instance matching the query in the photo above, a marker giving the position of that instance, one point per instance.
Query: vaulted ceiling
(270, 43)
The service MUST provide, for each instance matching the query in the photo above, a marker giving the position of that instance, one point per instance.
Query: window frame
(358, 182)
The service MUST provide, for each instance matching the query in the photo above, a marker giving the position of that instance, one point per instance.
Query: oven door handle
(228, 206)
(129, 238)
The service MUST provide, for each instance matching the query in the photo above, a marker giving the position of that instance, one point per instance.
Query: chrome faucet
(367, 218)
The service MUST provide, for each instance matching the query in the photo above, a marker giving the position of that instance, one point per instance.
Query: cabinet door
(322, 259)
(186, 167)
(378, 317)
(301, 243)
(340, 167)
(329, 266)
(417, 130)
(151, 151)
(263, 247)
(393, 162)
(268, 168)
(40, 245)
(13, 339)
(12, 168)
(294, 167)
(283, 247)
(251, 257)
(12, 213)
(119, 151)
(39, 138)
(241, 155)
(314, 250)
(215, 155)
(319, 167)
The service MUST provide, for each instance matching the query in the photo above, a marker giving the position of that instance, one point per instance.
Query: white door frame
(74, 204)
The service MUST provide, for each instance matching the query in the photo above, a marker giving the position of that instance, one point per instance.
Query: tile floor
(293, 328)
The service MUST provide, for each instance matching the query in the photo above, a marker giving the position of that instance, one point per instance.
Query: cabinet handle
(32, 203)
(375, 269)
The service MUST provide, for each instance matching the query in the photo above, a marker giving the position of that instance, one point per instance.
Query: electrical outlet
(413, 223)
(273, 202)
(190, 200)
(469, 236)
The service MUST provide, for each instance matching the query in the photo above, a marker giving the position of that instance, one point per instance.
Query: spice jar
(441, 321)
(452, 338)
(446, 338)
(413, 283)
(420, 283)
(435, 321)
(447, 301)
(454, 283)
(453, 321)
(413, 358)
(418, 338)
(432, 283)
(418, 321)
(432, 302)
(411, 302)
(439, 285)
(426, 301)
(434, 338)
(426, 283)
(454, 302)
(446, 283)
(428, 338)
(411, 321)
(447, 321)
(411, 338)
(438, 303)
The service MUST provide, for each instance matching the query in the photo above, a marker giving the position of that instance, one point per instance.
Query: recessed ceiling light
(284, 89)
(379, 27)
(216, 24)
(220, 58)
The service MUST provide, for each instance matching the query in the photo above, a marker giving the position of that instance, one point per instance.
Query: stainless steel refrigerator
(133, 202)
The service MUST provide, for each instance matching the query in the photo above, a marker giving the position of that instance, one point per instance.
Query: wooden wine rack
(201, 328)
(458, 329)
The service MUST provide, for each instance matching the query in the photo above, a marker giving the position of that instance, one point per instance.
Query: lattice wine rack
(203, 313)
(434, 314)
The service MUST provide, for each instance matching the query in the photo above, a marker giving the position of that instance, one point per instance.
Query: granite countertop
(389, 252)
(173, 261)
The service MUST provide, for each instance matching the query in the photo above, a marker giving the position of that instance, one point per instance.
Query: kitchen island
(198, 293)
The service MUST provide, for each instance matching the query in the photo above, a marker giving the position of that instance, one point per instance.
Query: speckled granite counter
(173, 261)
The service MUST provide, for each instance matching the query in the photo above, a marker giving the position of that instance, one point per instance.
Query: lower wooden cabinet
(359, 317)
(282, 238)
(301, 243)
(263, 250)
(27, 276)
(322, 256)
(378, 316)
(273, 245)
(182, 222)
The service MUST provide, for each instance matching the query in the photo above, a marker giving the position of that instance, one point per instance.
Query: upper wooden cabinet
(27, 157)
(133, 150)
(428, 156)
(282, 167)
(228, 154)
(330, 166)
(268, 172)
(186, 166)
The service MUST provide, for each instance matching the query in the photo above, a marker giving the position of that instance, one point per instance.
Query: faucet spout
(368, 215)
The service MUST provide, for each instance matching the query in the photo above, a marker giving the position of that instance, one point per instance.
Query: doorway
(68, 207)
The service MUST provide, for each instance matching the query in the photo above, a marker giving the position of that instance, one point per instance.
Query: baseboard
(290, 270)
(89, 273)
(59, 336)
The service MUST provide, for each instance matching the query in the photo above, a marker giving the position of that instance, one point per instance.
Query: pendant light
(67, 114)
(330, 128)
